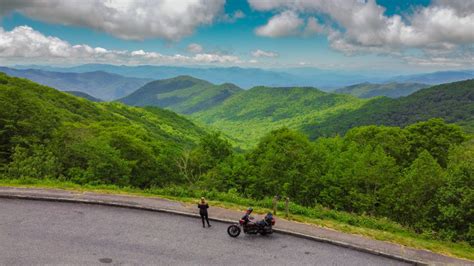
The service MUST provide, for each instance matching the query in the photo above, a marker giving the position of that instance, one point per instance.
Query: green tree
(455, 200)
(393, 140)
(414, 205)
(282, 165)
(434, 136)
(36, 162)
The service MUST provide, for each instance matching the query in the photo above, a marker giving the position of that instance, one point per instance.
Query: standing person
(203, 206)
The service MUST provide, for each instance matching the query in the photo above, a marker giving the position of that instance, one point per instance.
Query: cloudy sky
(332, 34)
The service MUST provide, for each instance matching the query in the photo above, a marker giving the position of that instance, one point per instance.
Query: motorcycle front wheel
(233, 230)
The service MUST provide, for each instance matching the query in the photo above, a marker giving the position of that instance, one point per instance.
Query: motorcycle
(264, 227)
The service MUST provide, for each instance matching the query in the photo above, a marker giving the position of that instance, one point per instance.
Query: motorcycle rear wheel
(233, 230)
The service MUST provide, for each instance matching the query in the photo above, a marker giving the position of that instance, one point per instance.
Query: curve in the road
(38, 232)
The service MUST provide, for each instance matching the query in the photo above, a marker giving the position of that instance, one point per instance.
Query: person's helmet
(250, 209)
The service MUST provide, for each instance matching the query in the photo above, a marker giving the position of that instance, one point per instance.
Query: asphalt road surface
(37, 232)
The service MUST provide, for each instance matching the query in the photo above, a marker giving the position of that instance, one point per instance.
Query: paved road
(36, 232)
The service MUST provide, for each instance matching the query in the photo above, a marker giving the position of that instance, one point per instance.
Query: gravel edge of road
(153, 209)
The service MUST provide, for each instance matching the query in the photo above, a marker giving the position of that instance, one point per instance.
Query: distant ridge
(183, 94)
(325, 79)
(98, 84)
(392, 89)
(436, 77)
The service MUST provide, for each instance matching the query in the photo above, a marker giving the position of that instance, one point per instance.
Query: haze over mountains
(436, 77)
(98, 84)
(250, 77)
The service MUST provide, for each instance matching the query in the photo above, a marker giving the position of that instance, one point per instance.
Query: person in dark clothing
(203, 206)
(247, 216)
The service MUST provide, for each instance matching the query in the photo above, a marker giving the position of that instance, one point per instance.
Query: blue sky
(384, 35)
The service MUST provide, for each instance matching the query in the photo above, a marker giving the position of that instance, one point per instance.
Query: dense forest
(47, 133)
(420, 175)
(454, 102)
(249, 115)
(245, 116)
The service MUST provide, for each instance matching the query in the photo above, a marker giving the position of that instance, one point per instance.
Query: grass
(376, 228)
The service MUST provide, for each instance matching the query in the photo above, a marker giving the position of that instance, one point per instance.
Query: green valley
(244, 116)
(249, 115)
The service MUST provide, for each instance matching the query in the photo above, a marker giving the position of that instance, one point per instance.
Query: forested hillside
(44, 132)
(248, 115)
(183, 94)
(454, 102)
(392, 90)
(84, 95)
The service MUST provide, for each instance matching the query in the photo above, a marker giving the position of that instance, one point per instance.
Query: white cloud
(127, 19)
(284, 24)
(26, 45)
(288, 23)
(194, 48)
(215, 58)
(262, 53)
(463, 7)
(361, 26)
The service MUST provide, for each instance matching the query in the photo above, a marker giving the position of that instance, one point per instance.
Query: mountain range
(243, 115)
(246, 115)
(98, 84)
(436, 77)
(277, 77)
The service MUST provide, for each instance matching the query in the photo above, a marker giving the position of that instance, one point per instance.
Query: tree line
(421, 176)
